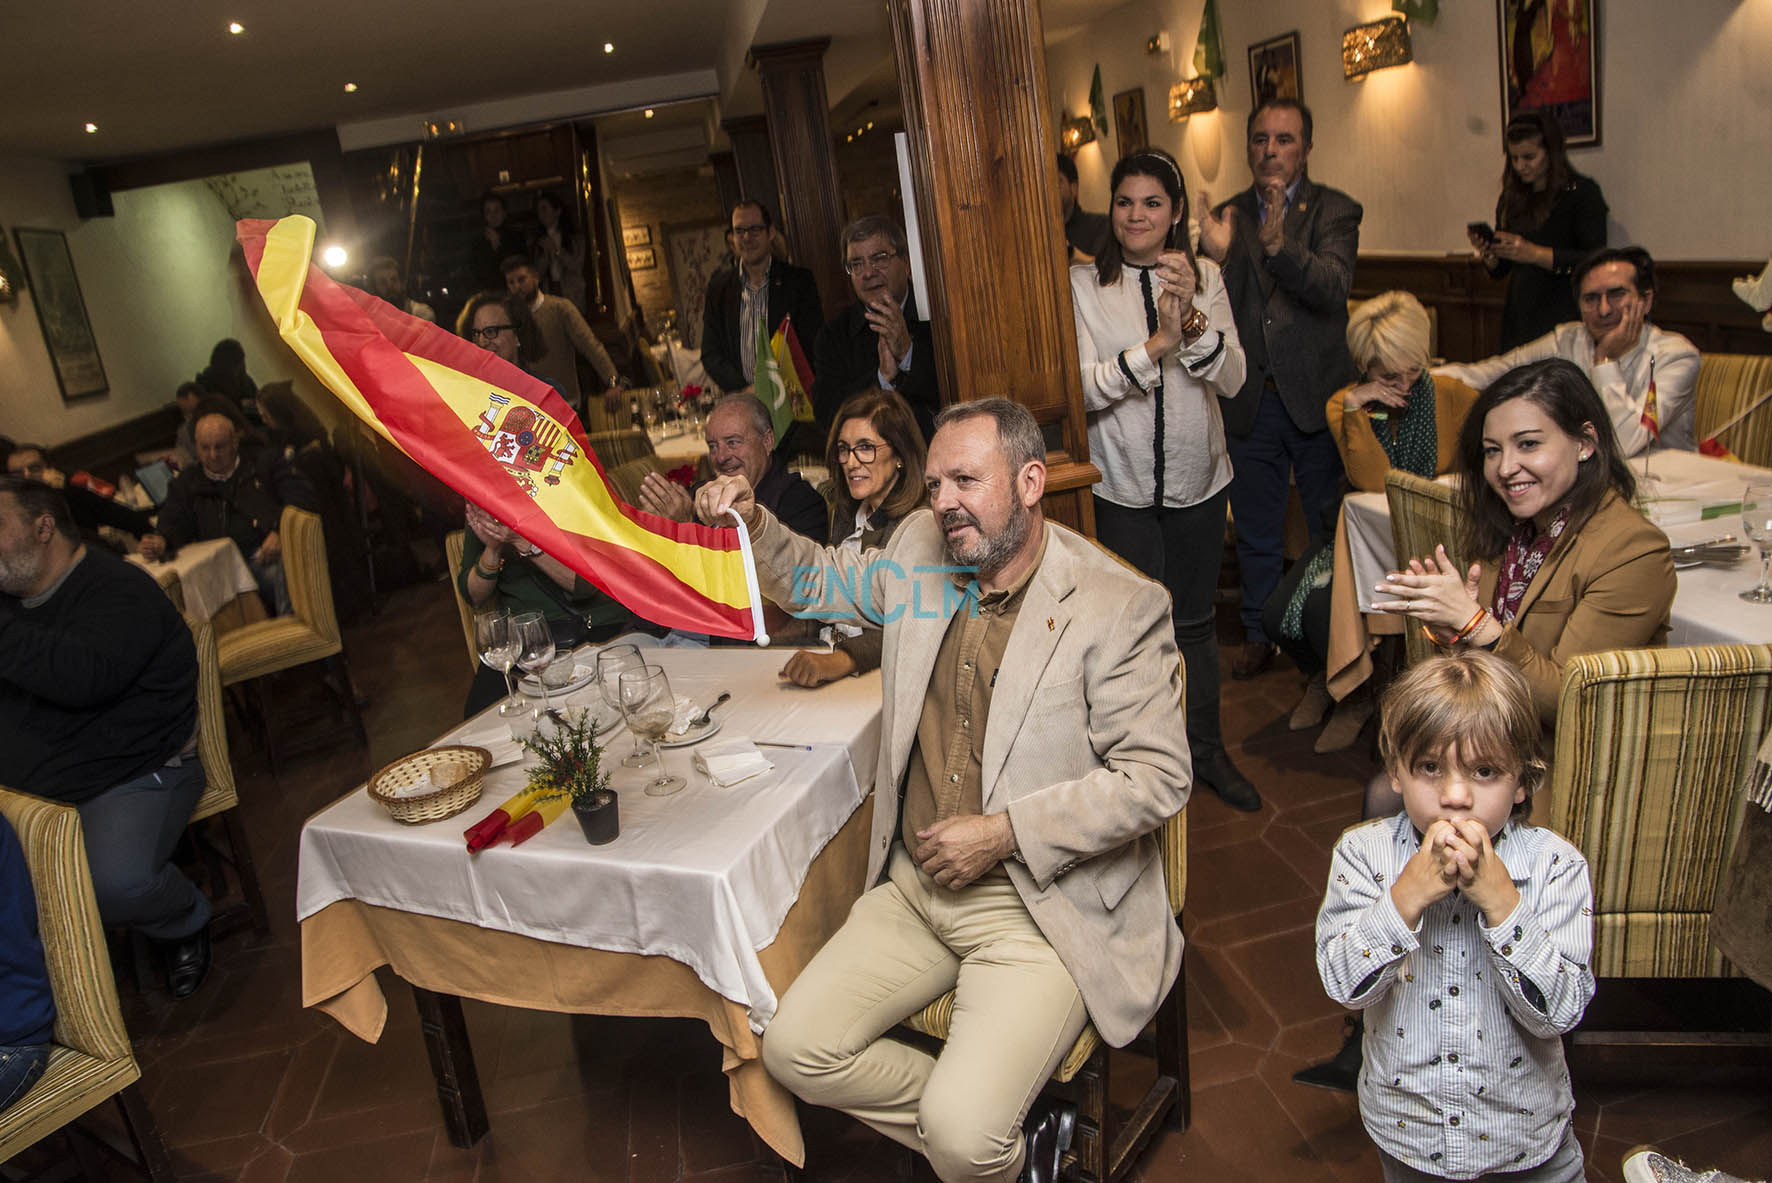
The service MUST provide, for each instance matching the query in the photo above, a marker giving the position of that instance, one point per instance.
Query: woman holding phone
(1549, 217)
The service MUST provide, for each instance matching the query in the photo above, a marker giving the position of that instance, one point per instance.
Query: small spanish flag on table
(499, 437)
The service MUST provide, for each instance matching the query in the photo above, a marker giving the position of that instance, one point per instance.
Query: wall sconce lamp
(1191, 97)
(1376, 46)
(1076, 132)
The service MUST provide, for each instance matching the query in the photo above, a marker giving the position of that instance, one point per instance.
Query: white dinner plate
(693, 736)
(582, 675)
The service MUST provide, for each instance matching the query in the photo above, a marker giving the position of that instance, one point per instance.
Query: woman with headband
(1159, 348)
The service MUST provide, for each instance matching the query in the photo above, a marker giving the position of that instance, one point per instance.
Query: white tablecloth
(1707, 609)
(704, 876)
(211, 575)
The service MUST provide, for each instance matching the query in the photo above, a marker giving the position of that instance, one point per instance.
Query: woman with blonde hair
(1398, 416)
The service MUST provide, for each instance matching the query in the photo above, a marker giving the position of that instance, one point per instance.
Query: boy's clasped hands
(1455, 855)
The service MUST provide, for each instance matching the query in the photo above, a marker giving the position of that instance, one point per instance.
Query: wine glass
(535, 649)
(611, 661)
(1756, 519)
(497, 647)
(649, 705)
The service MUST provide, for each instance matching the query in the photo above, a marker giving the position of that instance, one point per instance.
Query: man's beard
(988, 554)
(19, 571)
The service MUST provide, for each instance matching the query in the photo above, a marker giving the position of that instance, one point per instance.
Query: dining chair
(1106, 1146)
(620, 445)
(1728, 384)
(309, 634)
(91, 1060)
(1652, 748)
(625, 478)
(1423, 516)
(452, 548)
(220, 796)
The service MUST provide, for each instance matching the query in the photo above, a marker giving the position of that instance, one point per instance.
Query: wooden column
(798, 115)
(726, 181)
(983, 145)
(753, 160)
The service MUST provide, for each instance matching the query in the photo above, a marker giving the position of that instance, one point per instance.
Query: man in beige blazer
(1032, 740)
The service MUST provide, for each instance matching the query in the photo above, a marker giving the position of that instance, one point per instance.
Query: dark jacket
(792, 293)
(27, 1007)
(1085, 231)
(799, 506)
(98, 684)
(245, 507)
(1539, 300)
(864, 648)
(1291, 310)
(846, 361)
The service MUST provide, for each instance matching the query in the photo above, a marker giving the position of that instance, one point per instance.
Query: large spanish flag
(499, 437)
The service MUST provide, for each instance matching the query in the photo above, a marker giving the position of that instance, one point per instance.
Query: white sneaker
(1648, 1165)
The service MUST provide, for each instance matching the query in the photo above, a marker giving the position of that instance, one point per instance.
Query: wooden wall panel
(798, 115)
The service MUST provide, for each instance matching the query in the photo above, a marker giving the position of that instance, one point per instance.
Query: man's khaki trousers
(907, 942)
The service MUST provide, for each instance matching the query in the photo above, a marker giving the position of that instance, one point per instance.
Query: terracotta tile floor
(247, 1085)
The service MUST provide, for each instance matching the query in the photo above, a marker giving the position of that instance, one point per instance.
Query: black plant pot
(599, 818)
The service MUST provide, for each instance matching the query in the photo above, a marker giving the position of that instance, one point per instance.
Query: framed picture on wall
(1273, 70)
(636, 235)
(1129, 125)
(642, 258)
(1550, 59)
(61, 312)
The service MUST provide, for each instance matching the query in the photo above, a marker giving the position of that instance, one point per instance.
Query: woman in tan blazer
(1568, 566)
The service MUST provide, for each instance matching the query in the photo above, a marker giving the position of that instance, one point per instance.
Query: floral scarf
(1525, 554)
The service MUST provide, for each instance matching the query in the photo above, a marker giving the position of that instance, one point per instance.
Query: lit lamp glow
(1193, 96)
(1076, 132)
(334, 256)
(1376, 46)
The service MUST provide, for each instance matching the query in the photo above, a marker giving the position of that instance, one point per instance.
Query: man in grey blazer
(1031, 741)
(1287, 247)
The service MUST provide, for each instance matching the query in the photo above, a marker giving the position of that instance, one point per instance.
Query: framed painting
(636, 235)
(1129, 124)
(1274, 71)
(61, 312)
(642, 258)
(1550, 60)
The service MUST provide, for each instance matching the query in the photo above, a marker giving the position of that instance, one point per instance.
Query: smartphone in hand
(1481, 230)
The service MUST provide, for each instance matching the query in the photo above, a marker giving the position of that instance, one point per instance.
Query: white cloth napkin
(728, 761)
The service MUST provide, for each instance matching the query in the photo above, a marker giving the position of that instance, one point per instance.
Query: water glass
(611, 661)
(535, 649)
(497, 646)
(1756, 520)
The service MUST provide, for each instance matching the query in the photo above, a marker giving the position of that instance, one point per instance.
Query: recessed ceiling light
(609, 47)
(649, 112)
(236, 28)
(91, 128)
(350, 88)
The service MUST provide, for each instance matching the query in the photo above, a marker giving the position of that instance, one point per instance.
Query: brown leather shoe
(1255, 658)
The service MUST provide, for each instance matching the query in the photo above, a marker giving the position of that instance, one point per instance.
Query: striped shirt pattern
(1464, 1070)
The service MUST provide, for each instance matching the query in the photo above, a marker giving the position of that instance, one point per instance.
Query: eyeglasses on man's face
(756, 231)
(488, 332)
(865, 451)
(871, 262)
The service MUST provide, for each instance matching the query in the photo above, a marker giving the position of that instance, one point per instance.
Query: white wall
(159, 292)
(1686, 116)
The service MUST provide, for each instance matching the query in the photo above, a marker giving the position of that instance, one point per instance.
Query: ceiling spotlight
(609, 47)
(334, 256)
(350, 88)
(91, 128)
(649, 112)
(236, 28)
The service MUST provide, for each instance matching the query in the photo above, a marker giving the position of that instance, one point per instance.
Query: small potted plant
(569, 763)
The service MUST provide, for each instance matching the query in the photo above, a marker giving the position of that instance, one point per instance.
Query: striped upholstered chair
(452, 548)
(1652, 748)
(1423, 516)
(310, 633)
(1728, 384)
(91, 1061)
(1104, 1148)
(219, 793)
(618, 446)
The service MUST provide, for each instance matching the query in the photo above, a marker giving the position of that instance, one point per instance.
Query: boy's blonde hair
(1470, 698)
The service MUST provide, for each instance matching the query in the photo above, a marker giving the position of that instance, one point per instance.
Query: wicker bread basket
(457, 770)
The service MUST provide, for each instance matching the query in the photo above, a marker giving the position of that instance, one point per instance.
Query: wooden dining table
(1693, 498)
(707, 906)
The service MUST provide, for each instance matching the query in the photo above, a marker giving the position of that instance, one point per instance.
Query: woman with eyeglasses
(1159, 348)
(500, 568)
(875, 456)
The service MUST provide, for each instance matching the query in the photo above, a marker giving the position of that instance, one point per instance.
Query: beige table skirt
(346, 942)
(1352, 634)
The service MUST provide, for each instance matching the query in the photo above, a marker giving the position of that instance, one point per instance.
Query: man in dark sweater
(234, 493)
(98, 709)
